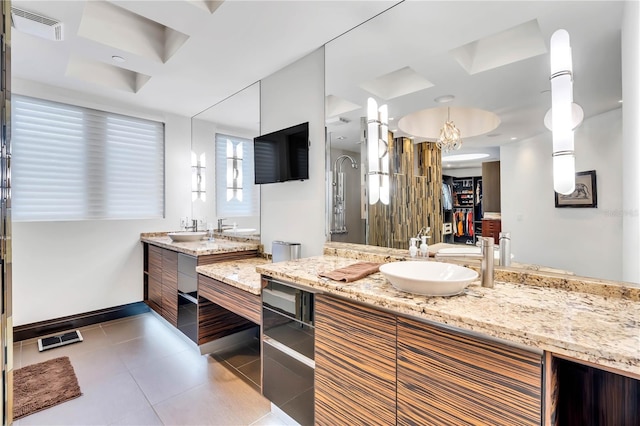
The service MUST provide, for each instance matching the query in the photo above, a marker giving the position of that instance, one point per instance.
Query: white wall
(66, 268)
(586, 241)
(631, 142)
(295, 211)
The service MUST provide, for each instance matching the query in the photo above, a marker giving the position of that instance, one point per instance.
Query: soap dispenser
(424, 248)
(413, 250)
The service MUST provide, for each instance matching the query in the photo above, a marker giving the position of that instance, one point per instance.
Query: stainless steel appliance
(288, 349)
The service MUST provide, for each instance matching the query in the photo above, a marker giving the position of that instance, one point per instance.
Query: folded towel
(352, 272)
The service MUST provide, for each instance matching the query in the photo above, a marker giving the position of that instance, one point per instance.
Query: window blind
(75, 163)
(228, 202)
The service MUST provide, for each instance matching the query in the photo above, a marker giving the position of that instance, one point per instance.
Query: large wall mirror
(222, 188)
(431, 62)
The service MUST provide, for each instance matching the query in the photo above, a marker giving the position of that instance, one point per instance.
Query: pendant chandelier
(449, 139)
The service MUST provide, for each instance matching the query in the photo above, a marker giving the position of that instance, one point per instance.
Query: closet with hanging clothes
(467, 209)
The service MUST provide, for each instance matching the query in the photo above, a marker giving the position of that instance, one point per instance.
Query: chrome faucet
(220, 223)
(194, 225)
(505, 249)
(486, 257)
(486, 268)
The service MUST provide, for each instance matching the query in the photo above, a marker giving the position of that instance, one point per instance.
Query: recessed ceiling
(206, 5)
(503, 48)
(427, 123)
(396, 83)
(105, 74)
(122, 29)
(335, 105)
(230, 45)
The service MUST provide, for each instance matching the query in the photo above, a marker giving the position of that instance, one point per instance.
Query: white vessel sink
(428, 278)
(239, 231)
(186, 236)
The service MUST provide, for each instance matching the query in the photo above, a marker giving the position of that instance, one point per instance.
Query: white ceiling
(489, 55)
(432, 43)
(227, 50)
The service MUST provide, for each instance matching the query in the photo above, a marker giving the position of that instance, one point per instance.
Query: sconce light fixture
(378, 152)
(564, 115)
(198, 165)
(234, 170)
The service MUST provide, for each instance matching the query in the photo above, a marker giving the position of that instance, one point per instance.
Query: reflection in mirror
(494, 59)
(347, 218)
(224, 196)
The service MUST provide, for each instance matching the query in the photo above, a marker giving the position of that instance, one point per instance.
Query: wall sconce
(234, 170)
(378, 151)
(198, 187)
(564, 115)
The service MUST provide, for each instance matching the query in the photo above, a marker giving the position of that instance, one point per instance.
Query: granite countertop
(589, 320)
(240, 273)
(199, 248)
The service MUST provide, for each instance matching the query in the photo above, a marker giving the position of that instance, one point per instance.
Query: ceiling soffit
(506, 47)
(427, 123)
(122, 29)
(105, 74)
(396, 83)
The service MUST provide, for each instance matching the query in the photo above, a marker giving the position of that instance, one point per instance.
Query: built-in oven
(288, 349)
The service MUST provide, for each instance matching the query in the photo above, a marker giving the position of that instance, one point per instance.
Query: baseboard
(57, 325)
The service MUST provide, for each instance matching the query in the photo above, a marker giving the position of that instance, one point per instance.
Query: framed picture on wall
(585, 194)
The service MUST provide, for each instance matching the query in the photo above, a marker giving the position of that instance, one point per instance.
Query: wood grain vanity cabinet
(374, 367)
(162, 283)
(581, 394)
(447, 378)
(154, 278)
(164, 269)
(355, 373)
(170, 286)
(224, 310)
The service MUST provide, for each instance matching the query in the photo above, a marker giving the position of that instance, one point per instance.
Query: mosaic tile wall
(415, 198)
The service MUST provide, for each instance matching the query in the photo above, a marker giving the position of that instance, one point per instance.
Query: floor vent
(60, 340)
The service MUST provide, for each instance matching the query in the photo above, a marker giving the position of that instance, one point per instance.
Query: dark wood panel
(215, 322)
(234, 299)
(491, 186)
(170, 286)
(155, 294)
(492, 228)
(355, 364)
(446, 378)
(591, 396)
(550, 390)
(155, 262)
(223, 257)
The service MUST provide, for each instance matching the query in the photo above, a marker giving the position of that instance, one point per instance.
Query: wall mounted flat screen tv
(282, 156)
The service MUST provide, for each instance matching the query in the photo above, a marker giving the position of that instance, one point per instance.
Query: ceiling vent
(37, 25)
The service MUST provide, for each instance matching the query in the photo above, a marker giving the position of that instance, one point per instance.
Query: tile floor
(140, 371)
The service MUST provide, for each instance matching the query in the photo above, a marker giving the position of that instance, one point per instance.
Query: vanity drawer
(238, 301)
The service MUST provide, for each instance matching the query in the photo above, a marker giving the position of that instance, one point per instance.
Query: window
(74, 163)
(236, 194)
